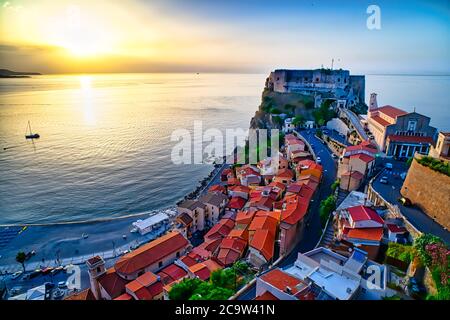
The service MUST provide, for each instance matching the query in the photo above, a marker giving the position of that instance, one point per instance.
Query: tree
(298, 120)
(225, 278)
(326, 207)
(21, 257)
(185, 289)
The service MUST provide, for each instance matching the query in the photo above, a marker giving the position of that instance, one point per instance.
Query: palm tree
(21, 257)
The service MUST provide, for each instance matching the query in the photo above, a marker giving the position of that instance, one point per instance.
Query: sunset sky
(65, 36)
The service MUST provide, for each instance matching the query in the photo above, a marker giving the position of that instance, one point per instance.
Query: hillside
(5, 73)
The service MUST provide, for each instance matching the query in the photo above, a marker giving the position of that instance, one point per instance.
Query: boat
(84, 235)
(31, 135)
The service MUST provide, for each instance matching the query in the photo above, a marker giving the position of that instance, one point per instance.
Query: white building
(152, 223)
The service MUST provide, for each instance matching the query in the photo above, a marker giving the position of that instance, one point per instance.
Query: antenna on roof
(332, 63)
(414, 109)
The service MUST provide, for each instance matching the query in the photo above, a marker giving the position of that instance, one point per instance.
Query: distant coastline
(5, 73)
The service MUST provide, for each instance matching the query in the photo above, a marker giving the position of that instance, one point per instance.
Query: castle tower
(373, 104)
(96, 268)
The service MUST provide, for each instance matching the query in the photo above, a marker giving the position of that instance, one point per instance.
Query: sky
(253, 36)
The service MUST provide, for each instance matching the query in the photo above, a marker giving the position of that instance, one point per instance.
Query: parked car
(405, 201)
(62, 285)
(384, 180)
(388, 166)
(333, 156)
(16, 275)
(318, 160)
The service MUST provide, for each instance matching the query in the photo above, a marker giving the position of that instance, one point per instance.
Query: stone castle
(348, 90)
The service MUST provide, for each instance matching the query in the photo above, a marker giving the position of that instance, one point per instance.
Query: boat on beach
(30, 134)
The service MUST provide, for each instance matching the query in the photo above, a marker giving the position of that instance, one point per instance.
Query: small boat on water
(30, 134)
(84, 235)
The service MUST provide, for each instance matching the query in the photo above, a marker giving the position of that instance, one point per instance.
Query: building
(292, 223)
(279, 285)
(204, 211)
(152, 256)
(442, 148)
(309, 167)
(153, 222)
(362, 226)
(248, 175)
(337, 84)
(399, 133)
(261, 248)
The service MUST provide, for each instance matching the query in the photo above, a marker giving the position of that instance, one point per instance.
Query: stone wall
(430, 190)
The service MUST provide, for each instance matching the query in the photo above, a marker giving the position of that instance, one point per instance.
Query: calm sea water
(105, 139)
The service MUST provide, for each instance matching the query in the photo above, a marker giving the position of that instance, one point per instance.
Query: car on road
(405, 201)
(334, 156)
(388, 166)
(62, 285)
(16, 275)
(384, 180)
(318, 160)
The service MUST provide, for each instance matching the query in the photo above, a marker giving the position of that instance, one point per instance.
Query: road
(313, 231)
(355, 122)
(391, 192)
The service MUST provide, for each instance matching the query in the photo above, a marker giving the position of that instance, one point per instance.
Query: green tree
(298, 120)
(326, 207)
(185, 289)
(21, 257)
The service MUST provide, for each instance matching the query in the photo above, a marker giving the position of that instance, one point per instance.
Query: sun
(83, 44)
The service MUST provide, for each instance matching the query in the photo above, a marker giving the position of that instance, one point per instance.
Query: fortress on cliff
(347, 89)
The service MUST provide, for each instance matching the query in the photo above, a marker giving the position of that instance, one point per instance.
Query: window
(412, 125)
(98, 269)
(178, 254)
(160, 264)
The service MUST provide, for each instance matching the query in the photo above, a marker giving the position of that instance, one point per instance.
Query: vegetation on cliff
(435, 164)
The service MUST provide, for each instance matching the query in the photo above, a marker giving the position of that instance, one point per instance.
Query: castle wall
(429, 190)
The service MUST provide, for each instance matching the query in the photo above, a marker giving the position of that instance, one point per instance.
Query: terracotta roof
(189, 261)
(239, 233)
(220, 230)
(212, 265)
(113, 284)
(263, 240)
(207, 248)
(92, 261)
(264, 222)
(266, 296)
(373, 234)
(285, 173)
(243, 189)
(243, 217)
(363, 157)
(236, 203)
(295, 209)
(184, 218)
(411, 139)
(235, 244)
(124, 296)
(82, 295)
(217, 188)
(396, 229)
(172, 273)
(391, 111)
(151, 253)
(363, 146)
(284, 281)
(361, 213)
(201, 271)
(264, 203)
(355, 174)
(380, 121)
(274, 214)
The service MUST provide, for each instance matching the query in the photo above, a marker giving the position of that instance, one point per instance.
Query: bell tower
(373, 104)
(96, 268)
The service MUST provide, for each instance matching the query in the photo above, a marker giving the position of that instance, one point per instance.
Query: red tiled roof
(264, 222)
(373, 234)
(396, 229)
(228, 256)
(243, 189)
(361, 213)
(220, 230)
(212, 265)
(189, 261)
(113, 284)
(391, 111)
(233, 182)
(355, 174)
(285, 173)
(201, 271)
(380, 121)
(263, 240)
(207, 248)
(217, 188)
(282, 280)
(266, 296)
(411, 139)
(173, 271)
(151, 253)
(124, 296)
(243, 217)
(363, 146)
(236, 203)
(81, 295)
(295, 209)
(364, 157)
(239, 233)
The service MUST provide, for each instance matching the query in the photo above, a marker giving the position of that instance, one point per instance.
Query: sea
(106, 140)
